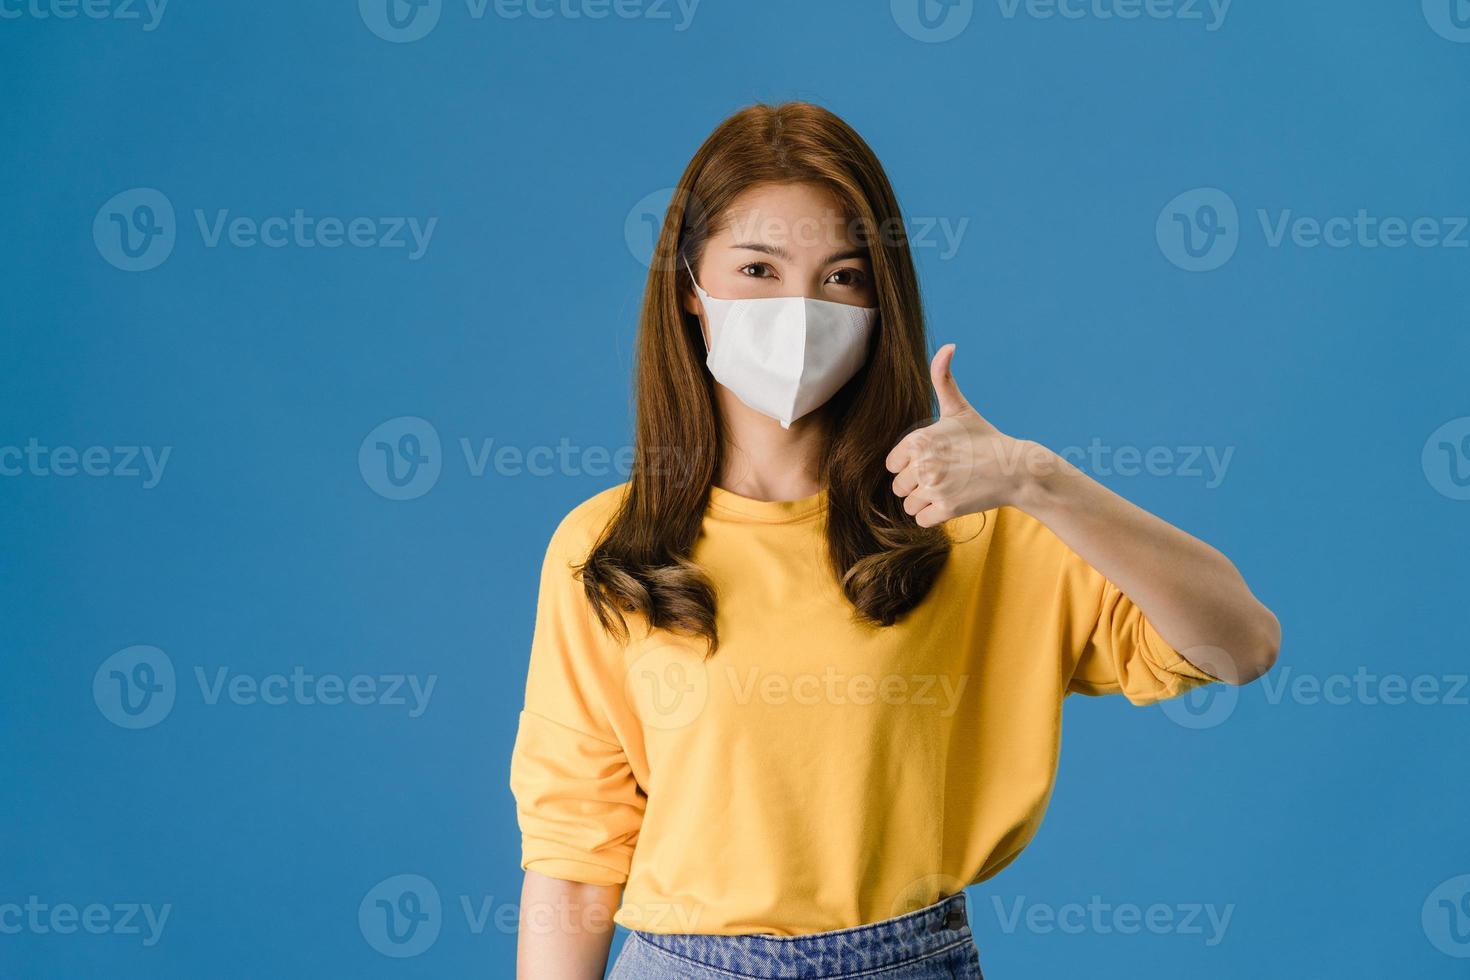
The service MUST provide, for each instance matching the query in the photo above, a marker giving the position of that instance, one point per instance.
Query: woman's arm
(566, 928)
(1191, 593)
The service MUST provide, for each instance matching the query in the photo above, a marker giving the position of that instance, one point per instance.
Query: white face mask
(784, 355)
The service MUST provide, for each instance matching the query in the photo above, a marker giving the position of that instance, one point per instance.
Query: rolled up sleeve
(1125, 654)
(578, 803)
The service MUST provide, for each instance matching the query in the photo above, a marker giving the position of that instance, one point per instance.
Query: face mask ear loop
(697, 286)
(698, 289)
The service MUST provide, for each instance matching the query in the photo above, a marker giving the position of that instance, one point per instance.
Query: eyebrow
(781, 253)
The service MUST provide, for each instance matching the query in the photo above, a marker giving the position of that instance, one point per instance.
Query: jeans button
(955, 917)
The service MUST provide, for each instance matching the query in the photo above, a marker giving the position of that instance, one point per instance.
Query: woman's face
(784, 240)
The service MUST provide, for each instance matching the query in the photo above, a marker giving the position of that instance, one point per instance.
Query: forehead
(797, 213)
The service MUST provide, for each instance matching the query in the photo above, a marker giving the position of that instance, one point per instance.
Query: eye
(849, 277)
(765, 270)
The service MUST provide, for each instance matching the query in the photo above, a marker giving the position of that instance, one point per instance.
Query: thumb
(951, 402)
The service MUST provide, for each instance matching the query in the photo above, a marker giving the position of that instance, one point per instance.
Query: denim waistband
(891, 942)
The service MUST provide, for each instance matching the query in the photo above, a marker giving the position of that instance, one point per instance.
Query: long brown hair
(886, 563)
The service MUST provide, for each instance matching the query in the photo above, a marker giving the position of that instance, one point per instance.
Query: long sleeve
(1123, 653)
(578, 803)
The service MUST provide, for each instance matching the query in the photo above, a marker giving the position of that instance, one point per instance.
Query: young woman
(799, 681)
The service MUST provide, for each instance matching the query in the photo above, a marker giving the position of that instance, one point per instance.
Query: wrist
(1042, 479)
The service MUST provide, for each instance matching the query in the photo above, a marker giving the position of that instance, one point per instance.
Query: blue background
(537, 143)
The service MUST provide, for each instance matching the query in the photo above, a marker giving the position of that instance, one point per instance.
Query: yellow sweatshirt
(816, 773)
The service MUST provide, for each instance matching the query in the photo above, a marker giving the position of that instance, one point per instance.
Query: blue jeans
(933, 943)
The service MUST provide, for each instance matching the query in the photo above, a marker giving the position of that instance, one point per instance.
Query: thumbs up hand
(959, 464)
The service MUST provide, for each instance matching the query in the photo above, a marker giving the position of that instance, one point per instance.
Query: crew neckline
(767, 511)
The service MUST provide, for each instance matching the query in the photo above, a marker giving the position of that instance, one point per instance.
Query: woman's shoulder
(579, 529)
(1004, 530)
(1027, 549)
